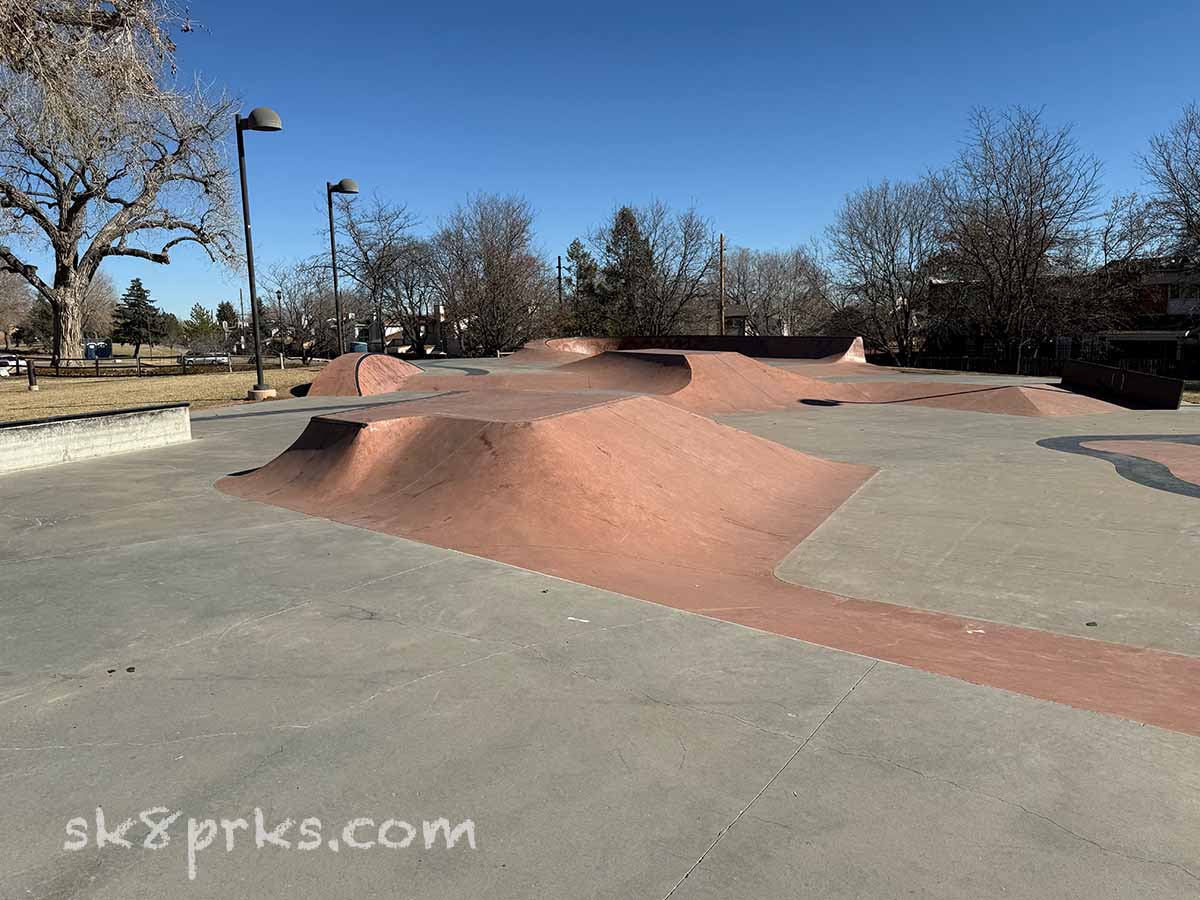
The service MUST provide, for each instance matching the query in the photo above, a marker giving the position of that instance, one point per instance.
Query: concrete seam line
(724, 831)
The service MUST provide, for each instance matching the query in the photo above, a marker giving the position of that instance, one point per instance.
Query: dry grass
(1191, 396)
(147, 350)
(65, 396)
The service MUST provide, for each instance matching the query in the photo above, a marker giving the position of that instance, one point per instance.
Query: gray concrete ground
(969, 515)
(605, 747)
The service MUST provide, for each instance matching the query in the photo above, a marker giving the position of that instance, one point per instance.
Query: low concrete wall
(46, 442)
(1130, 388)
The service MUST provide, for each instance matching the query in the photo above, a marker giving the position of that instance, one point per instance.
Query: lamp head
(345, 186)
(261, 118)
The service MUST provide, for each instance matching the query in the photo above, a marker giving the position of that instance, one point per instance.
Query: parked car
(203, 359)
(11, 365)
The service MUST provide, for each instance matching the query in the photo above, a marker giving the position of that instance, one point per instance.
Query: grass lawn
(65, 396)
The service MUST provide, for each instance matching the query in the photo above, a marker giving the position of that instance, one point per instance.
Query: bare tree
(15, 303)
(301, 314)
(1097, 285)
(884, 240)
(1173, 164)
(1017, 203)
(784, 291)
(138, 170)
(410, 295)
(495, 288)
(375, 236)
(98, 307)
(654, 272)
(81, 58)
(683, 252)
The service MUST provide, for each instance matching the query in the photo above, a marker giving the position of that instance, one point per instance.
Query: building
(1171, 287)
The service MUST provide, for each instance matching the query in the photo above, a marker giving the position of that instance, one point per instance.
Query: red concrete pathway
(639, 497)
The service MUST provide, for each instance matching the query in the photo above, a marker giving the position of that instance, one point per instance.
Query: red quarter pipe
(361, 375)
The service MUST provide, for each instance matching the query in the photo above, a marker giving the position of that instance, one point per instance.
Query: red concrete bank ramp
(361, 375)
(1011, 400)
(637, 496)
(598, 481)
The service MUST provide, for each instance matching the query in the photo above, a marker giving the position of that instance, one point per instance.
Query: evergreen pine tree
(626, 275)
(586, 314)
(202, 331)
(227, 315)
(137, 320)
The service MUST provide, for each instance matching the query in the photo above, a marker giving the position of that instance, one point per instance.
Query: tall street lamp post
(260, 119)
(345, 186)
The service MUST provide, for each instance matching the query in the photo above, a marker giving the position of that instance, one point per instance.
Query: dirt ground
(65, 396)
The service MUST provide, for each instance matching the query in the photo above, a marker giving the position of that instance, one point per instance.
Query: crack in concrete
(724, 831)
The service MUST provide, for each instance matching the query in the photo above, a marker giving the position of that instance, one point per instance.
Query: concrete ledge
(33, 443)
(1130, 388)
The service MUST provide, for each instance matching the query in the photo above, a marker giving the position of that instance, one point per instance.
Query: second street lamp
(345, 186)
(260, 119)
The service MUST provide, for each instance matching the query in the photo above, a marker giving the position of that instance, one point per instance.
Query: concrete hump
(361, 375)
(597, 481)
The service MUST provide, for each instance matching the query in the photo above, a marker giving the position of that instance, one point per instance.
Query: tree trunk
(68, 318)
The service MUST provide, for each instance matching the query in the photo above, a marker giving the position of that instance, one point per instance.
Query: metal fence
(147, 366)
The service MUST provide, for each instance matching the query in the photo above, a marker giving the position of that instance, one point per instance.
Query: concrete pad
(604, 746)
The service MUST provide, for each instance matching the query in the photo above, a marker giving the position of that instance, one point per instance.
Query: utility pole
(721, 288)
(560, 299)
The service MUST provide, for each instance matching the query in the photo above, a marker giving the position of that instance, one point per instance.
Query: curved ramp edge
(361, 375)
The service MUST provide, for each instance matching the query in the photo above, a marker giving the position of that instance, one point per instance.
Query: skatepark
(663, 622)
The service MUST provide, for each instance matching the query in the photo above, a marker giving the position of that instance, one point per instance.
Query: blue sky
(763, 115)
